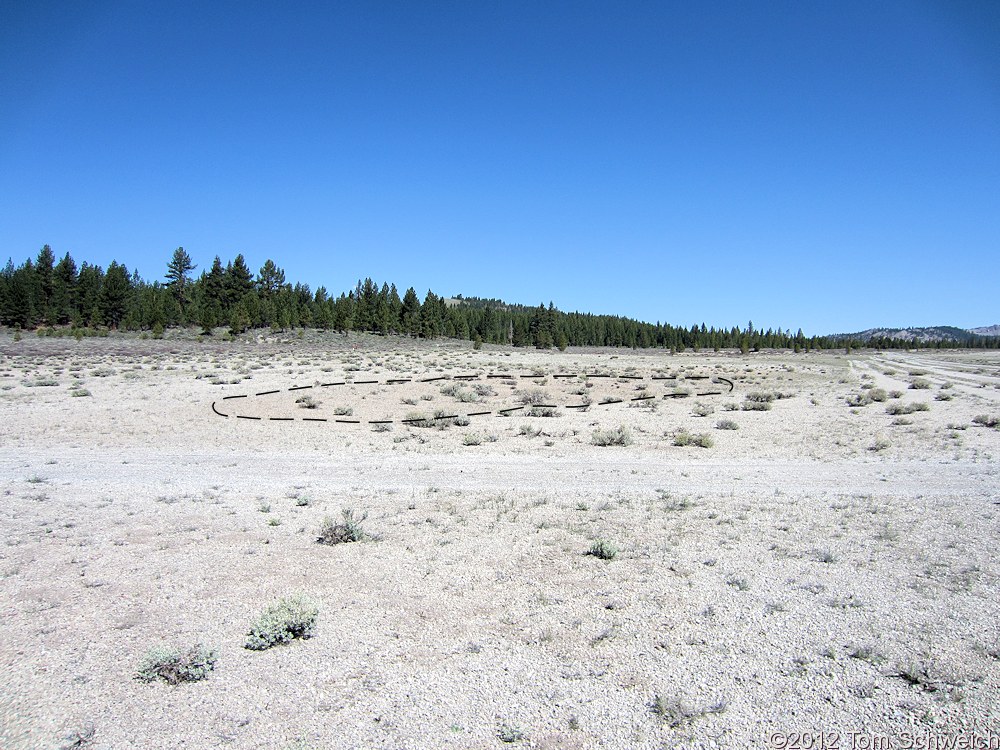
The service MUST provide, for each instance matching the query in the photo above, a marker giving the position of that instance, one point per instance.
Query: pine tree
(411, 313)
(238, 281)
(270, 279)
(21, 310)
(430, 321)
(6, 276)
(64, 291)
(44, 269)
(114, 295)
(178, 278)
(211, 287)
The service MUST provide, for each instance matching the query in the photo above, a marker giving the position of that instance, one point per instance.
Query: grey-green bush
(174, 666)
(618, 436)
(349, 529)
(895, 409)
(281, 622)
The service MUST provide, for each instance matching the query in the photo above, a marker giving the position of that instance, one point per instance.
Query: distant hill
(993, 330)
(929, 334)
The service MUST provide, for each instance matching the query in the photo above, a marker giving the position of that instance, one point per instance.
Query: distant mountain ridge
(924, 334)
(993, 330)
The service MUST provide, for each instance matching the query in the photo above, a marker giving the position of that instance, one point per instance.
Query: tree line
(46, 292)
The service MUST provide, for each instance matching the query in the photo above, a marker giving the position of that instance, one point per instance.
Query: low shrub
(684, 438)
(859, 399)
(281, 622)
(986, 420)
(702, 410)
(603, 549)
(896, 409)
(619, 436)
(758, 401)
(726, 424)
(174, 666)
(880, 444)
(349, 529)
(541, 411)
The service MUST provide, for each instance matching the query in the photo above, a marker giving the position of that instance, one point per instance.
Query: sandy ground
(822, 568)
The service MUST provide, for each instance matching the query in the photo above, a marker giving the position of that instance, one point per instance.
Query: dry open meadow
(617, 549)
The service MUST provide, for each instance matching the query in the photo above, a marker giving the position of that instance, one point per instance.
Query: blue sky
(833, 166)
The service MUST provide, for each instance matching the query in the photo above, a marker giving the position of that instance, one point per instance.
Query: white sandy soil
(822, 568)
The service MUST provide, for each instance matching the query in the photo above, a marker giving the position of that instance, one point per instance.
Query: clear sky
(829, 165)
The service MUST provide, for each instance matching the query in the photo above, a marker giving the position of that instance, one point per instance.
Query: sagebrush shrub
(619, 436)
(758, 401)
(281, 622)
(174, 666)
(895, 409)
(603, 549)
(349, 529)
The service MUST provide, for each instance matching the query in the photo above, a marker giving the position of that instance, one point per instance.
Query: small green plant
(986, 420)
(603, 550)
(281, 622)
(919, 384)
(509, 733)
(676, 713)
(174, 666)
(867, 652)
(825, 556)
(307, 402)
(472, 438)
(348, 529)
(343, 411)
(619, 436)
(738, 582)
(79, 393)
(82, 736)
(726, 424)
